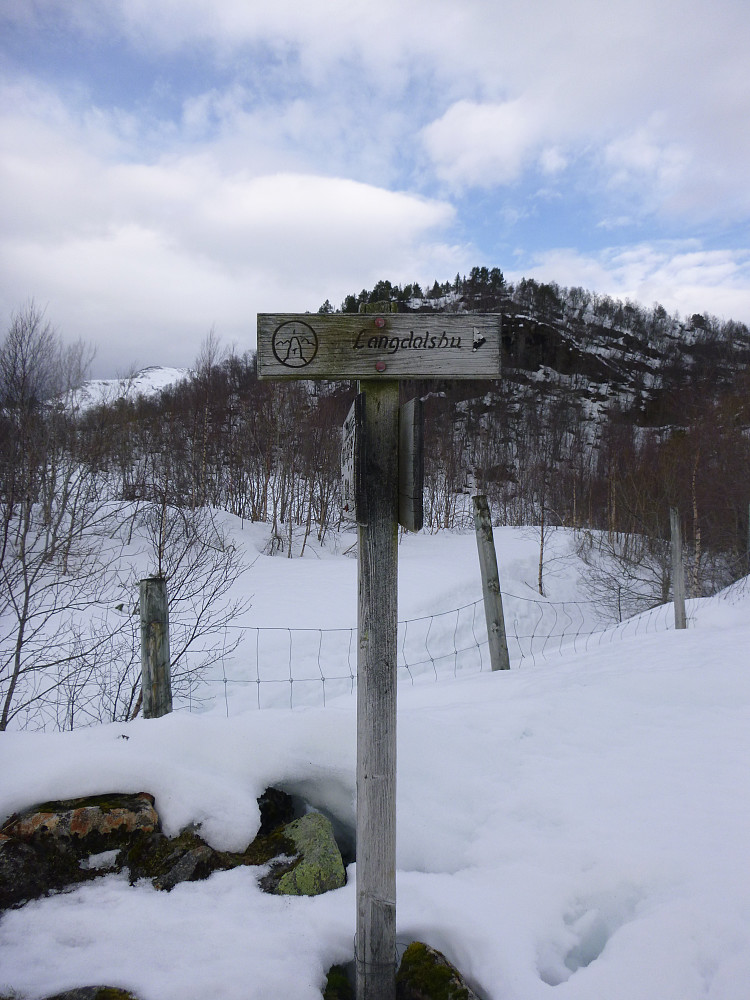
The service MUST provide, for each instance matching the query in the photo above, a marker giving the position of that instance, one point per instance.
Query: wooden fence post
(678, 572)
(493, 601)
(376, 698)
(155, 667)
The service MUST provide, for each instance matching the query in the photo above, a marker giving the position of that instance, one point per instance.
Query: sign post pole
(376, 699)
(378, 350)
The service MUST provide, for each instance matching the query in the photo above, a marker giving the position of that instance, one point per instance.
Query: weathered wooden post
(493, 600)
(381, 466)
(678, 571)
(155, 666)
(376, 697)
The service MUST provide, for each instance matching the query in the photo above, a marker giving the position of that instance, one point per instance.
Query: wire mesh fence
(293, 667)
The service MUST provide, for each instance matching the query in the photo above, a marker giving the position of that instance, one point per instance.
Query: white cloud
(143, 258)
(484, 144)
(306, 164)
(680, 275)
(552, 160)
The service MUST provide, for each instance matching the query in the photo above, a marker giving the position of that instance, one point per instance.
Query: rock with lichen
(85, 825)
(46, 848)
(314, 864)
(60, 844)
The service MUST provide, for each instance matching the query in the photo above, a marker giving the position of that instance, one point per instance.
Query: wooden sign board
(380, 346)
(411, 466)
(353, 496)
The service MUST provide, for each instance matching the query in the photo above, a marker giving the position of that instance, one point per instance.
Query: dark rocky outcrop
(50, 847)
(46, 848)
(276, 809)
(94, 993)
(168, 861)
(85, 825)
(27, 873)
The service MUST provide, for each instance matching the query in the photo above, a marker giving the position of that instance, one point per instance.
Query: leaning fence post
(155, 669)
(493, 601)
(678, 572)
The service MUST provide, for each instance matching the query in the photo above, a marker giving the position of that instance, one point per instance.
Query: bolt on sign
(386, 346)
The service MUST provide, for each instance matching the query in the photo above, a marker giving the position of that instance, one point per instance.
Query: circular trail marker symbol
(294, 344)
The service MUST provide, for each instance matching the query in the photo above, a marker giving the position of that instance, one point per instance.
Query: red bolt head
(380, 366)
(380, 322)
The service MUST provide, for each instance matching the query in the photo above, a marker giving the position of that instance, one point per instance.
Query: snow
(146, 382)
(574, 829)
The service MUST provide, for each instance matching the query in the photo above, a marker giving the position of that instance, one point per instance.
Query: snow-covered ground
(577, 828)
(146, 382)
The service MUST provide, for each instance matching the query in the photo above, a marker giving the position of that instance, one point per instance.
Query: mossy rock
(95, 993)
(265, 848)
(105, 803)
(319, 867)
(188, 858)
(167, 862)
(337, 985)
(426, 974)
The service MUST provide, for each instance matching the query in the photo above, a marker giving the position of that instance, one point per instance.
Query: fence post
(155, 668)
(678, 572)
(493, 601)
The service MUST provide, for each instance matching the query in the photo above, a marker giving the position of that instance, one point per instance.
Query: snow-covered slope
(575, 830)
(146, 382)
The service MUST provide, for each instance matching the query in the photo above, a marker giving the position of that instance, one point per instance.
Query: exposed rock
(320, 867)
(304, 857)
(94, 993)
(44, 848)
(28, 872)
(276, 809)
(185, 858)
(86, 825)
(426, 974)
(59, 844)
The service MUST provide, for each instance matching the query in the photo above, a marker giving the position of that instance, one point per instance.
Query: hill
(108, 391)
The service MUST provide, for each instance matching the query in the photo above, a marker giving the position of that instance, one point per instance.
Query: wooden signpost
(382, 479)
(383, 346)
(353, 499)
(411, 466)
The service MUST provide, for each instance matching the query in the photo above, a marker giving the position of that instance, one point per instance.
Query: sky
(171, 168)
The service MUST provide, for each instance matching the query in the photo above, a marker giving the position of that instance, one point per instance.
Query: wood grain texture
(382, 346)
(155, 666)
(411, 466)
(493, 601)
(376, 700)
(353, 495)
